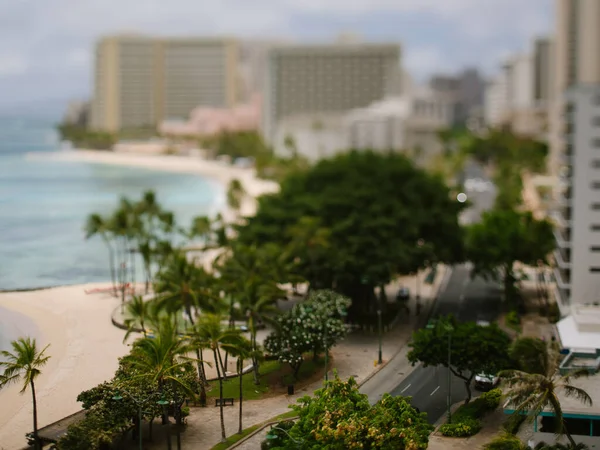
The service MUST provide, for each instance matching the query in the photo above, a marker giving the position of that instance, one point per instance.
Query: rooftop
(575, 330)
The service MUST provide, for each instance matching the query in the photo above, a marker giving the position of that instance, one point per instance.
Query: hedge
(466, 421)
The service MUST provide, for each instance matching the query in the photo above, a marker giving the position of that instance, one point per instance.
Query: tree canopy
(504, 237)
(369, 210)
(338, 416)
(474, 349)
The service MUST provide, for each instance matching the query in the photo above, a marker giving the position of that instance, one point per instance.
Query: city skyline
(46, 49)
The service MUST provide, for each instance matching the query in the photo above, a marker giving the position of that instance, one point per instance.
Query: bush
(513, 423)
(505, 442)
(464, 428)
(466, 419)
(185, 411)
(491, 399)
(553, 313)
(513, 319)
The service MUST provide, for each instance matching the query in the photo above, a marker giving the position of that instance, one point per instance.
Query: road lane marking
(402, 391)
(434, 391)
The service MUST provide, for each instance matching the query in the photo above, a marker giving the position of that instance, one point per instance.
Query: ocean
(44, 205)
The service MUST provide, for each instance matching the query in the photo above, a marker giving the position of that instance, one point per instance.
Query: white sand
(85, 345)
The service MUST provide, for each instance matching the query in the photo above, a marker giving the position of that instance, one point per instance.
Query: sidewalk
(354, 356)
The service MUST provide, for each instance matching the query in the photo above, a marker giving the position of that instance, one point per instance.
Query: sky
(46, 46)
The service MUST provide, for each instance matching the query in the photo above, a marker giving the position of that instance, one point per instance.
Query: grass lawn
(238, 437)
(274, 379)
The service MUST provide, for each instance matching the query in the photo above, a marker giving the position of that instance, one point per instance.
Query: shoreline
(84, 344)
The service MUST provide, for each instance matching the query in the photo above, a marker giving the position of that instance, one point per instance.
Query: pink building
(206, 121)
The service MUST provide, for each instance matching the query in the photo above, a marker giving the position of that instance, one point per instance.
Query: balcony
(563, 237)
(562, 258)
(563, 278)
(562, 298)
(559, 220)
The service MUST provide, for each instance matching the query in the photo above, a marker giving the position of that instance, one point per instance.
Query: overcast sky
(46, 45)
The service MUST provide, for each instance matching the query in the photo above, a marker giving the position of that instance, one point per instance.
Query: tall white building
(576, 158)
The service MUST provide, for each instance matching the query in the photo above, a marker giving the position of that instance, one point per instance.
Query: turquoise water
(44, 204)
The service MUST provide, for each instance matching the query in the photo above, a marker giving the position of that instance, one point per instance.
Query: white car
(485, 382)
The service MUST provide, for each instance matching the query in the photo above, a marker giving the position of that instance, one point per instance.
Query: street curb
(419, 323)
(259, 429)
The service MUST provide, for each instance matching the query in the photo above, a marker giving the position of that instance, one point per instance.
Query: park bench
(226, 401)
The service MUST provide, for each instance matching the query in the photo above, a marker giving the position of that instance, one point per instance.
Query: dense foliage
(369, 210)
(82, 137)
(314, 325)
(466, 421)
(503, 238)
(338, 416)
(474, 349)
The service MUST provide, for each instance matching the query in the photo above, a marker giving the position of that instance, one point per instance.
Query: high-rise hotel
(140, 81)
(575, 160)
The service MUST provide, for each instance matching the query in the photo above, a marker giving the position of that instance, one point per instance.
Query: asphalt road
(468, 300)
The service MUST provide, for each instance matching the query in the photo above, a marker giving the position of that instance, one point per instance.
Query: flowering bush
(491, 399)
(312, 326)
(465, 428)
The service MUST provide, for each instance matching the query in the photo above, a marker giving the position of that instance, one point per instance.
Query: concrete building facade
(518, 97)
(576, 162)
(408, 123)
(318, 84)
(140, 81)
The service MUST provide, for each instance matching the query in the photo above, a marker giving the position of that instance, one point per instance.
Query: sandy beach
(84, 344)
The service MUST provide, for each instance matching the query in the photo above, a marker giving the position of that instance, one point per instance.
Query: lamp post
(139, 403)
(449, 329)
(164, 403)
(420, 244)
(365, 280)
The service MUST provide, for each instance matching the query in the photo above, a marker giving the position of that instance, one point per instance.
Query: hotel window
(595, 248)
(595, 184)
(596, 121)
(596, 163)
(595, 227)
(595, 269)
(596, 142)
(595, 206)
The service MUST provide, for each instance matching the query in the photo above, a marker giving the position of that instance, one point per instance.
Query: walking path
(354, 356)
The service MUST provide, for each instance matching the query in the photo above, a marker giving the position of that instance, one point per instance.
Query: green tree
(96, 225)
(314, 326)
(140, 313)
(242, 351)
(250, 274)
(530, 355)
(504, 237)
(474, 349)
(532, 393)
(290, 144)
(372, 206)
(210, 333)
(23, 365)
(339, 417)
(235, 195)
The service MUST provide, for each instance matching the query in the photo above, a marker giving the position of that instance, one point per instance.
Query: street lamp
(365, 280)
(449, 329)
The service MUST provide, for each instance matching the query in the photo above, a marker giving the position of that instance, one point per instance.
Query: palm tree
(160, 359)
(532, 393)
(24, 365)
(181, 285)
(140, 313)
(242, 351)
(251, 274)
(148, 213)
(97, 225)
(210, 333)
(235, 195)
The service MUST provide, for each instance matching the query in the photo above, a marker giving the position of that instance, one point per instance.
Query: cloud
(56, 37)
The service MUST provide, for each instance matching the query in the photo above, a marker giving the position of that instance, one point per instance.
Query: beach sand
(84, 344)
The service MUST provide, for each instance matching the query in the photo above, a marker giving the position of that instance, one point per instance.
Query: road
(467, 300)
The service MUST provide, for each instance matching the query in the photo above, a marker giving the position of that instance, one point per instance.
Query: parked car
(486, 382)
(403, 295)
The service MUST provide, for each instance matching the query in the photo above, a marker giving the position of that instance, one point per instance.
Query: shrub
(513, 423)
(491, 399)
(553, 313)
(513, 319)
(505, 442)
(464, 428)
(185, 411)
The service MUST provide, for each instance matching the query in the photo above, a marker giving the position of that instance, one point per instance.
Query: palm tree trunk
(569, 437)
(254, 358)
(223, 436)
(111, 262)
(35, 420)
(231, 324)
(240, 370)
